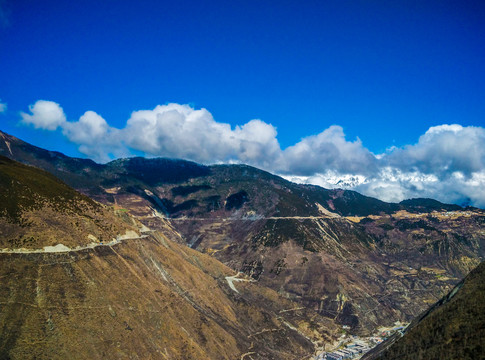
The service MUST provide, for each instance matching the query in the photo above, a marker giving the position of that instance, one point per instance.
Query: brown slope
(142, 297)
(38, 210)
(146, 299)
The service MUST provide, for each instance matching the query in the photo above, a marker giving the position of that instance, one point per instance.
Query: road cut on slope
(61, 248)
(230, 280)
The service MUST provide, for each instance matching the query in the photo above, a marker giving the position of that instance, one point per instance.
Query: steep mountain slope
(136, 295)
(351, 258)
(143, 298)
(37, 209)
(453, 328)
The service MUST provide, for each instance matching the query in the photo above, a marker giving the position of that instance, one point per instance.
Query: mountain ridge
(182, 170)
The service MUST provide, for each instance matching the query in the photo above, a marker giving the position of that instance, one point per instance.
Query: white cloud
(326, 151)
(175, 130)
(90, 129)
(91, 132)
(96, 138)
(456, 188)
(443, 150)
(447, 162)
(3, 106)
(258, 144)
(391, 185)
(46, 115)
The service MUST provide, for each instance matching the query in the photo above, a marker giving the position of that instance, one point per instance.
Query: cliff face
(453, 328)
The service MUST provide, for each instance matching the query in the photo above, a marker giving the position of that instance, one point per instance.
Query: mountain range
(338, 257)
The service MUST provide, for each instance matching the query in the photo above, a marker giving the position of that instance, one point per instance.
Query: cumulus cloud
(175, 130)
(326, 151)
(91, 132)
(446, 163)
(46, 115)
(90, 129)
(3, 106)
(443, 150)
(171, 130)
(96, 138)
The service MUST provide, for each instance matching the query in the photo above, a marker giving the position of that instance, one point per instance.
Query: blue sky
(384, 71)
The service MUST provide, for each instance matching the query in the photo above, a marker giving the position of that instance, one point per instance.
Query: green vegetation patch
(237, 200)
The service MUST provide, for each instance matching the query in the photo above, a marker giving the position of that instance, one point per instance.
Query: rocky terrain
(318, 248)
(134, 294)
(353, 259)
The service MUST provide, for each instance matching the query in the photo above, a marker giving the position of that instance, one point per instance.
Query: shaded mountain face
(136, 294)
(351, 258)
(93, 178)
(453, 328)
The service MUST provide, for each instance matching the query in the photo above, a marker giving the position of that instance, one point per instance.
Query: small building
(333, 356)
